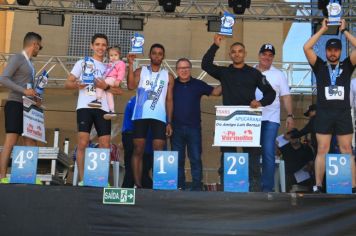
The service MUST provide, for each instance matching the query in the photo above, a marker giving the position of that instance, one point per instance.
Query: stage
(65, 210)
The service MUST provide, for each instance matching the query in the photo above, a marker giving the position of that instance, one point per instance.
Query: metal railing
(59, 67)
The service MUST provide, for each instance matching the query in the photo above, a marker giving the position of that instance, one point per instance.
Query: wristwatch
(343, 31)
(290, 115)
(107, 88)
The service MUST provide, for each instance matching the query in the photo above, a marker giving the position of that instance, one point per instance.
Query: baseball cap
(333, 43)
(311, 108)
(267, 47)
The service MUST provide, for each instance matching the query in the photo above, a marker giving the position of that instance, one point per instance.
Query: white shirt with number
(279, 83)
(87, 94)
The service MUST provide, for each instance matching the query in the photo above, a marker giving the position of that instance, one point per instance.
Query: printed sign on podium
(24, 165)
(338, 174)
(165, 170)
(33, 121)
(236, 172)
(96, 167)
(237, 126)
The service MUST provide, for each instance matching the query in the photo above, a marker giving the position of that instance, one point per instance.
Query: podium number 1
(170, 160)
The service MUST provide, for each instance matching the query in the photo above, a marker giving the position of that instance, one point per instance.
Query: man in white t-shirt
(84, 70)
(271, 113)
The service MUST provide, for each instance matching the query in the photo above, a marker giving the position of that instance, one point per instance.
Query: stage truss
(192, 9)
(298, 73)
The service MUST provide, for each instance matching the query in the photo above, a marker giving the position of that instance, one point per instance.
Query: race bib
(334, 92)
(90, 90)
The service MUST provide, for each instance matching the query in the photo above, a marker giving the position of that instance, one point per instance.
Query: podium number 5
(335, 168)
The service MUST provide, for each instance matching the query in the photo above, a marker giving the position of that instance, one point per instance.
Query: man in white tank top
(154, 105)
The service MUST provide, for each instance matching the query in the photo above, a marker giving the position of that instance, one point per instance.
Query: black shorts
(333, 121)
(86, 117)
(13, 117)
(157, 127)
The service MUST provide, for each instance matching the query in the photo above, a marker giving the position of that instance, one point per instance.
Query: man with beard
(154, 106)
(333, 114)
(18, 73)
(239, 83)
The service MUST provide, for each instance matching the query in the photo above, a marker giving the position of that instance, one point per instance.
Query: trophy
(137, 44)
(335, 12)
(227, 22)
(88, 68)
(40, 83)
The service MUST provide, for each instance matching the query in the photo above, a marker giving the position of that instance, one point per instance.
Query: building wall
(182, 38)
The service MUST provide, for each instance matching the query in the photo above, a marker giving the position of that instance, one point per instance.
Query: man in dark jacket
(239, 82)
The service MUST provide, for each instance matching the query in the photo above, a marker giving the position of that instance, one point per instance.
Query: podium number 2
(93, 162)
(20, 158)
(233, 167)
(161, 163)
(334, 169)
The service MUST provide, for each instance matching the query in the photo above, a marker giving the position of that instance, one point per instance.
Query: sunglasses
(39, 45)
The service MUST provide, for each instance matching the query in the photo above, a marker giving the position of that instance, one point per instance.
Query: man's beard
(333, 60)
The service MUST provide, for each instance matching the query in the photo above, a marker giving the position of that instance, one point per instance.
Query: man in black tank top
(333, 114)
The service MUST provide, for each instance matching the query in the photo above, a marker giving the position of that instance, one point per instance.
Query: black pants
(127, 141)
(254, 167)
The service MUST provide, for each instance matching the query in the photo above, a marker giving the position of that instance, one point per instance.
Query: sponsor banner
(237, 126)
(33, 121)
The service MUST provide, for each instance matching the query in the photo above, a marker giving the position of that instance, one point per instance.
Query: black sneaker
(317, 189)
(95, 104)
(110, 115)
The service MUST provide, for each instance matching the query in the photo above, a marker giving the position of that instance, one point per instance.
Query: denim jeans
(269, 131)
(189, 138)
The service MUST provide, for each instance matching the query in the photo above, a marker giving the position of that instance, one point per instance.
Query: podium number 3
(93, 162)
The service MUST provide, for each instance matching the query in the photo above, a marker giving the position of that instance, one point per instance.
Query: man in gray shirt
(18, 73)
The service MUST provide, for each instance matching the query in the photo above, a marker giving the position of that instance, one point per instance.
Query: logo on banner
(33, 121)
(247, 136)
(237, 126)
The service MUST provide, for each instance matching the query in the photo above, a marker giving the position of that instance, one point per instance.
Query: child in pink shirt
(114, 74)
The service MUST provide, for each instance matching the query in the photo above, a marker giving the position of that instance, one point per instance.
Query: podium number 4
(20, 159)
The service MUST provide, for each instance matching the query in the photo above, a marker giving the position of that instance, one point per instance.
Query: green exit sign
(119, 196)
